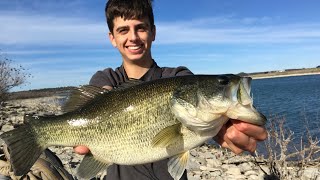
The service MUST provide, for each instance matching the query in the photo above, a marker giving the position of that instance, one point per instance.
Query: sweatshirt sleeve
(178, 71)
(103, 78)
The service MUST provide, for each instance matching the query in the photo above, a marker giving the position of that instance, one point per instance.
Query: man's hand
(82, 150)
(240, 136)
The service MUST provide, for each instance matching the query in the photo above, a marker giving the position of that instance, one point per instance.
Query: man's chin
(135, 58)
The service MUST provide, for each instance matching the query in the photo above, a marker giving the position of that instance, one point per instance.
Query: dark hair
(128, 9)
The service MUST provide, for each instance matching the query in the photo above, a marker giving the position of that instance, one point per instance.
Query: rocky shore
(207, 162)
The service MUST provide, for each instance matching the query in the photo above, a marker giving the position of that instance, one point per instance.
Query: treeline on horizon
(37, 93)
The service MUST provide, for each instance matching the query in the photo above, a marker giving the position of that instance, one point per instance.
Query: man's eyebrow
(144, 24)
(121, 28)
(138, 25)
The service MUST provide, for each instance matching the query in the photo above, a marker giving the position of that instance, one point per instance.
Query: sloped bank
(207, 161)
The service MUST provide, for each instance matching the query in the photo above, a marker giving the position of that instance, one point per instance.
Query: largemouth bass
(137, 123)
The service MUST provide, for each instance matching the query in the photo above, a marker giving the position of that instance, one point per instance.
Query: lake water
(296, 99)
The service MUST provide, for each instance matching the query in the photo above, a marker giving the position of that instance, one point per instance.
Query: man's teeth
(134, 47)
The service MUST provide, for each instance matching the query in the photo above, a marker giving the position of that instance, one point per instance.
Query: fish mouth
(242, 108)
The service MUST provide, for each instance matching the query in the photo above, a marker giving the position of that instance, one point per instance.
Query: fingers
(256, 132)
(240, 136)
(222, 139)
(240, 141)
(82, 150)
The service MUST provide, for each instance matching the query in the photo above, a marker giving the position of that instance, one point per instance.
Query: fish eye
(223, 80)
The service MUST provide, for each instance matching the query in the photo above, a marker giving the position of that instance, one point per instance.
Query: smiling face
(133, 38)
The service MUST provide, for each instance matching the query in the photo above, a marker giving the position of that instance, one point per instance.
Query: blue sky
(64, 42)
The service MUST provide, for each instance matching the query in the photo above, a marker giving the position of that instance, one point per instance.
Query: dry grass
(286, 159)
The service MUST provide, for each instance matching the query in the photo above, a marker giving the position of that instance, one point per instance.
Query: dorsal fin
(81, 96)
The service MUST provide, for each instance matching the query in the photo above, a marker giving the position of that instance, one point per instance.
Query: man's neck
(138, 69)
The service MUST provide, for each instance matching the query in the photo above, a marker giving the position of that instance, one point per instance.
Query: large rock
(310, 173)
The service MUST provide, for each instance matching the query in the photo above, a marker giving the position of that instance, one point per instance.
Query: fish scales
(119, 126)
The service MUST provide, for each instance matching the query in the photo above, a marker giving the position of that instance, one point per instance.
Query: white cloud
(230, 30)
(46, 7)
(48, 30)
(56, 51)
(19, 29)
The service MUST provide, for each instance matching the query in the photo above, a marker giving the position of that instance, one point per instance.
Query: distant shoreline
(284, 75)
(267, 76)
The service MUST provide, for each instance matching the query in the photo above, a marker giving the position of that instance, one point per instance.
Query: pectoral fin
(167, 136)
(91, 166)
(177, 165)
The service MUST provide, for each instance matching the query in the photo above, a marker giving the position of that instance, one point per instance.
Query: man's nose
(133, 35)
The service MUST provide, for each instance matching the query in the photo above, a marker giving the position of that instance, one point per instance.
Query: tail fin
(23, 148)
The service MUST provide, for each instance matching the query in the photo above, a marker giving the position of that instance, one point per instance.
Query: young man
(132, 31)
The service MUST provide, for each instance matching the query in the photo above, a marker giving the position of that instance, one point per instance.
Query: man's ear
(112, 39)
